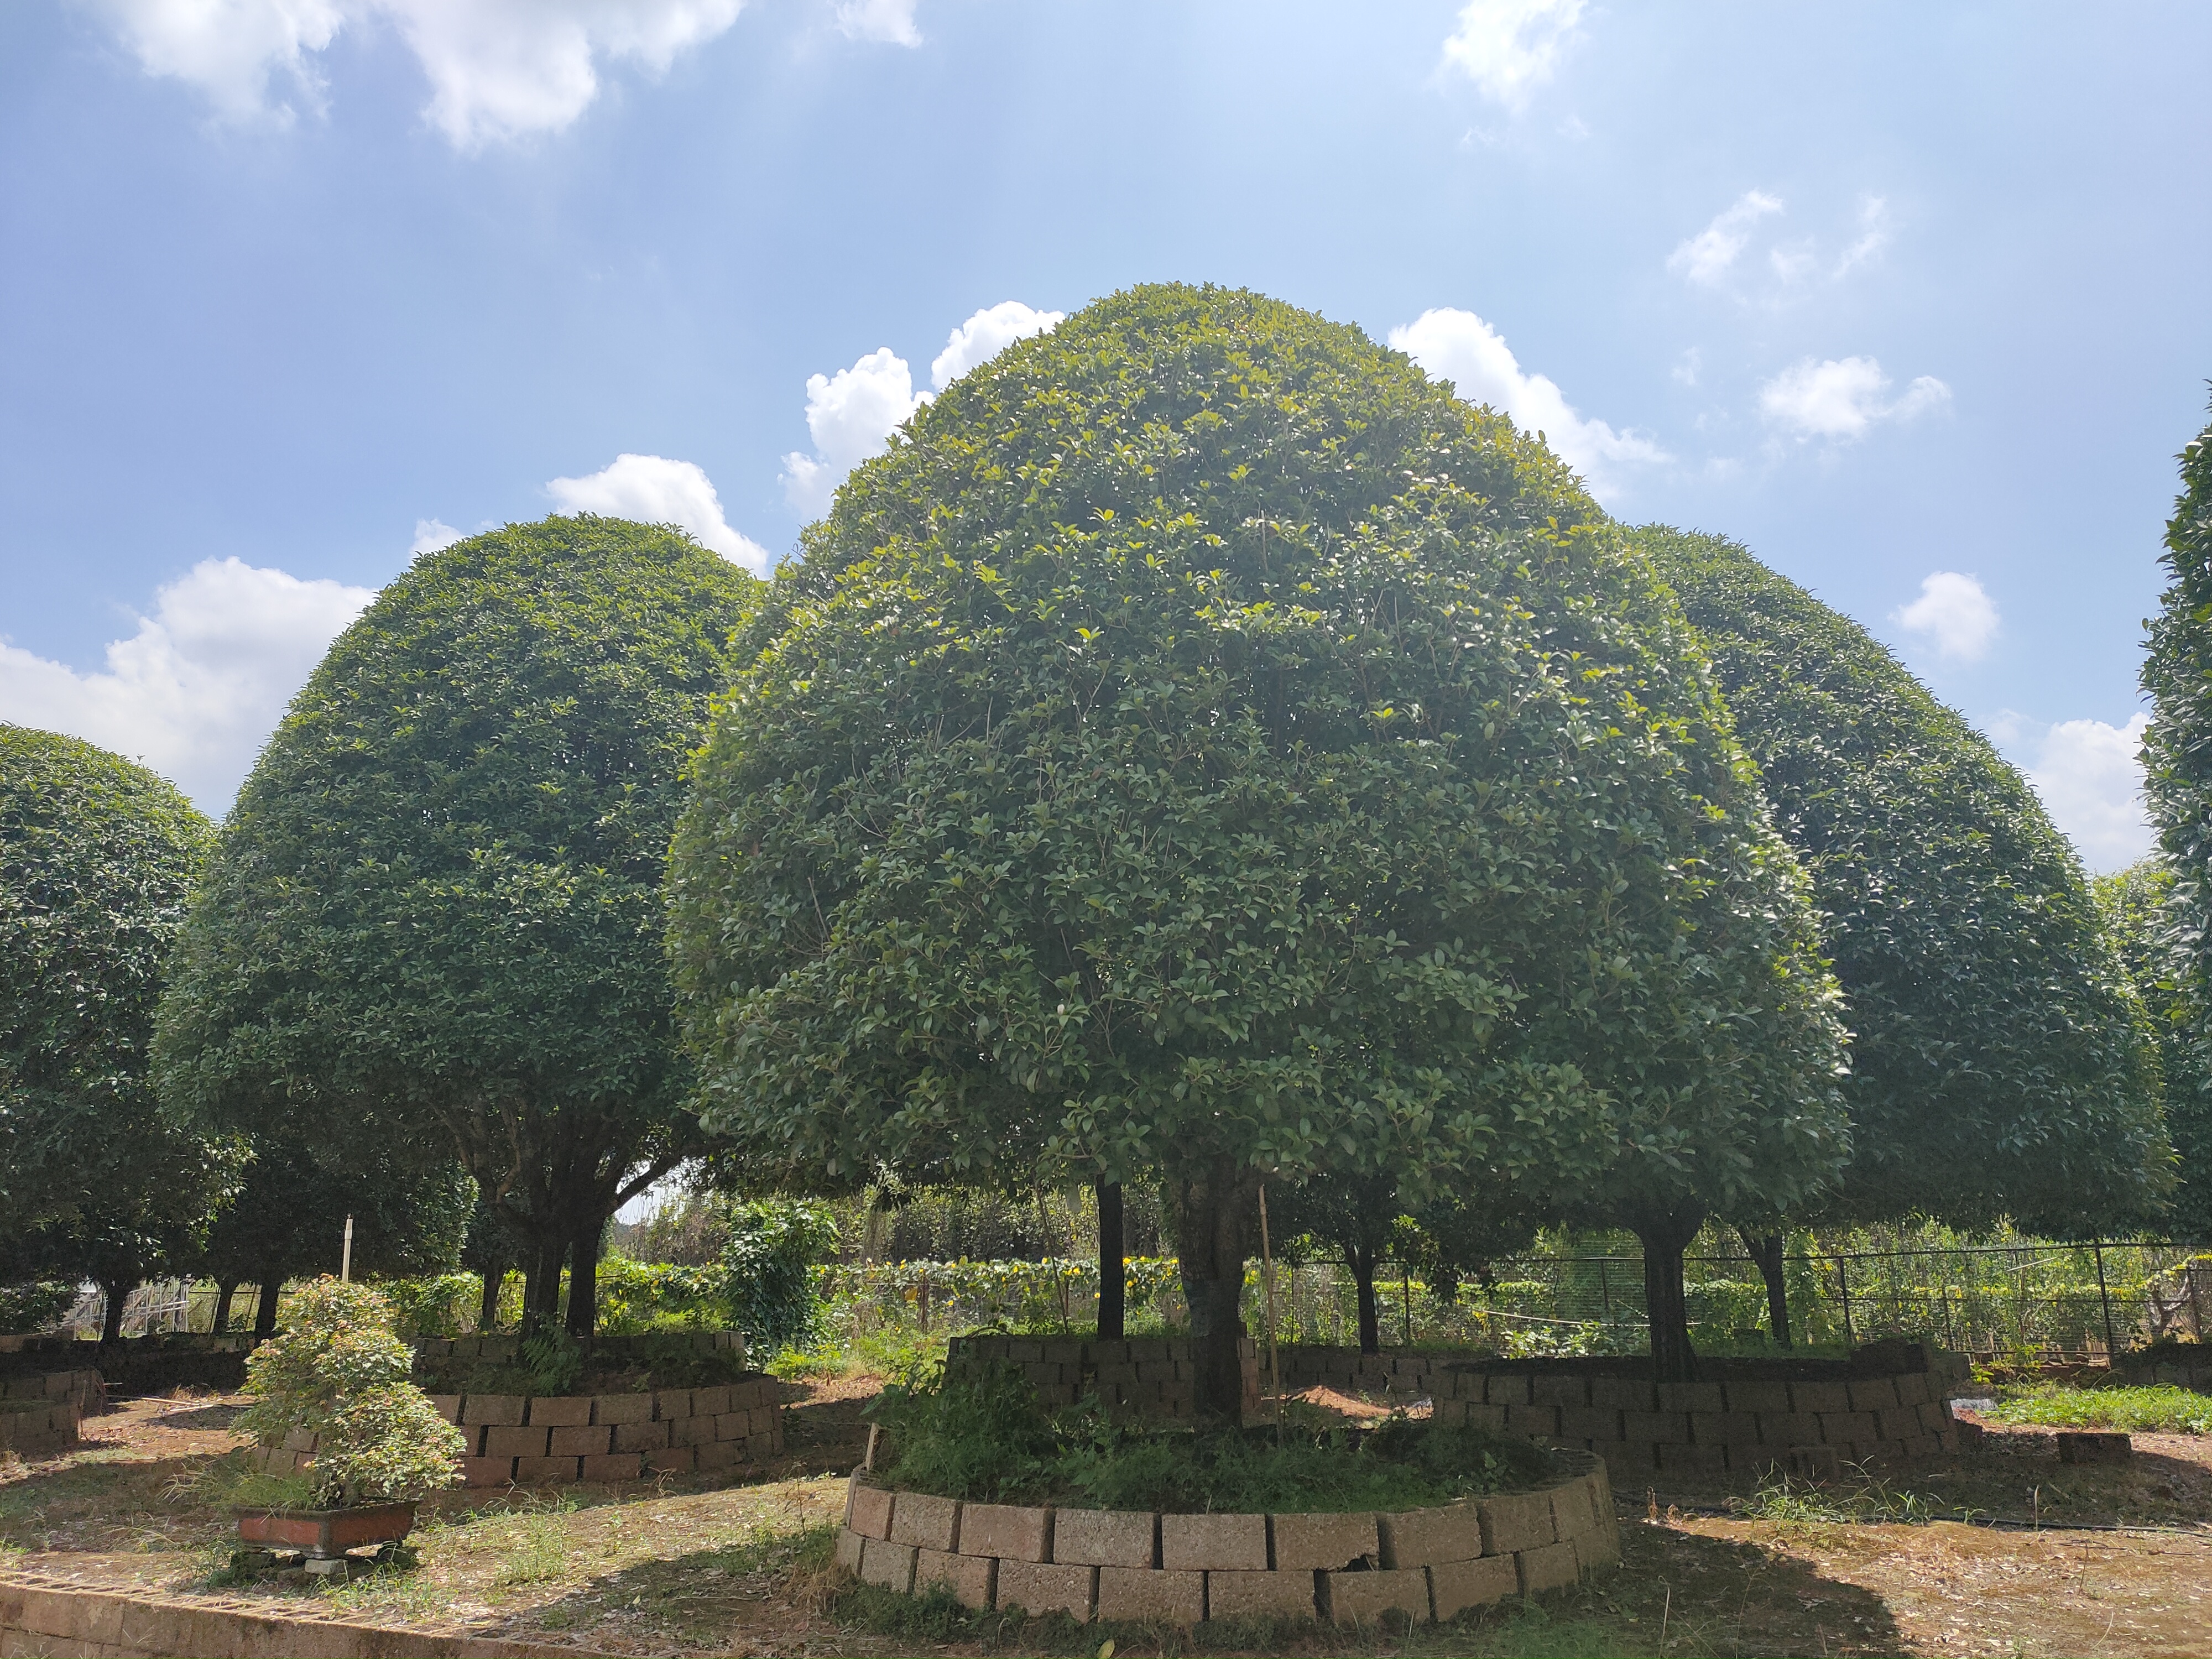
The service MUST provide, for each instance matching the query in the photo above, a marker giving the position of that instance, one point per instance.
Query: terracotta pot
(323, 1533)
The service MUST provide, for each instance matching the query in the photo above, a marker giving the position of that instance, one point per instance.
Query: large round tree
(97, 861)
(1204, 745)
(1999, 1063)
(438, 899)
(2177, 783)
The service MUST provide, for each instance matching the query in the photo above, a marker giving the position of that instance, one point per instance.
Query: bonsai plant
(339, 1376)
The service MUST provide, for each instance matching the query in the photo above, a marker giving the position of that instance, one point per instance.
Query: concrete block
(1655, 1428)
(1838, 1428)
(691, 1430)
(1506, 1388)
(1633, 1457)
(1573, 1512)
(1814, 1462)
(516, 1442)
(671, 1459)
(1912, 1389)
(492, 1409)
(487, 1471)
(1518, 1521)
(1554, 1566)
(1757, 1396)
(1690, 1397)
(2094, 1446)
(1006, 1531)
(721, 1454)
(622, 1408)
(546, 1471)
(848, 1549)
(931, 1522)
(1724, 1428)
(1260, 1595)
(639, 1437)
(1038, 1587)
(1897, 1422)
(734, 1425)
(1694, 1459)
(1421, 1537)
(448, 1406)
(871, 1512)
(1103, 1538)
(1538, 1422)
(1143, 1596)
(1455, 1586)
(1196, 1543)
(1588, 1423)
(671, 1405)
(968, 1577)
(582, 1442)
(1572, 1390)
(1820, 1397)
(559, 1411)
(1620, 1394)
(1334, 1542)
(1358, 1598)
(613, 1466)
(711, 1402)
(1789, 1429)
(1872, 1393)
(890, 1566)
(1934, 1415)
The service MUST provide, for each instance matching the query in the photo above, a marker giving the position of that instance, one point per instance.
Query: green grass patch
(2144, 1411)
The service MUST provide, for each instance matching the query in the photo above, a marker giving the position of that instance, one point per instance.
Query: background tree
(98, 858)
(1356, 1221)
(2141, 915)
(1203, 745)
(2178, 784)
(437, 902)
(1998, 1066)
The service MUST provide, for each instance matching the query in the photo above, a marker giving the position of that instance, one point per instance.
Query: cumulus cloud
(1705, 257)
(985, 335)
(1460, 347)
(431, 535)
(852, 415)
(888, 20)
(1509, 48)
(1842, 397)
(499, 69)
(195, 692)
(2090, 777)
(1954, 613)
(654, 490)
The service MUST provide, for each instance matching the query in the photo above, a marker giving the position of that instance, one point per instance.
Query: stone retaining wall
(1184, 1569)
(550, 1440)
(1147, 1376)
(136, 1364)
(43, 1619)
(1738, 1422)
(504, 1347)
(43, 1413)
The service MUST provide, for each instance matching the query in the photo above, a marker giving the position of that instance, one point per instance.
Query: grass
(2142, 1411)
(1863, 1497)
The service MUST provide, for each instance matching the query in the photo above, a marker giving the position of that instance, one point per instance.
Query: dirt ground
(1910, 1564)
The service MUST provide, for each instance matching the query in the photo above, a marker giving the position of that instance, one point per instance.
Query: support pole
(1274, 1350)
(345, 1257)
(2105, 1295)
(1406, 1300)
(1843, 1279)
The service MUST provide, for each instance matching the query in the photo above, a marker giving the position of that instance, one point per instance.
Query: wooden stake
(345, 1260)
(1274, 1352)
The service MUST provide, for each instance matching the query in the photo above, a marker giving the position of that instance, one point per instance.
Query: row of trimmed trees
(1201, 750)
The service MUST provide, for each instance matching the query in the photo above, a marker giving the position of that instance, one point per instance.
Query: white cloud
(888, 20)
(196, 691)
(1510, 47)
(1954, 613)
(654, 490)
(1842, 397)
(1705, 257)
(985, 335)
(2090, 776)
(1874, 234)
(1460, 347)
(431, 535)
(499, 69)
(852, 415)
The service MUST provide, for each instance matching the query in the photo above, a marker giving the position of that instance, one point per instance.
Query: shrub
(767, 1270)
(442, 1305)
(34, 1307)
(339, 1372)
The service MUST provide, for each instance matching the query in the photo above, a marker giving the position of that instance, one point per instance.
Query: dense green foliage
(983, 1435)
(339, 1372)
(2140, 1411)
(97, 860)
(438, 899)
(2178, 784)
(1204, 745)
(1999, 1064)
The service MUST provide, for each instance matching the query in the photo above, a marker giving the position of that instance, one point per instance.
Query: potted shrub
(335, 1385)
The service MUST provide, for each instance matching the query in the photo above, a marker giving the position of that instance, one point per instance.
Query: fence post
(1844, 1279)
(1605, 1289)
(2105, 1295)
(1405, 1299)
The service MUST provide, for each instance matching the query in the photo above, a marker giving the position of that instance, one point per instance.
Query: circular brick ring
(1182, 1568)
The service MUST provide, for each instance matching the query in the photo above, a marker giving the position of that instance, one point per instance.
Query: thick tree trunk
(264, 1309)
(1215, 1224)
(541, 1290)
(583, 1277)
(1362, 1263)
(1666, 1236)
(111, 1326)
(1766, 1249)
(487, 1310)
(223, 1292)
(1113, 1276)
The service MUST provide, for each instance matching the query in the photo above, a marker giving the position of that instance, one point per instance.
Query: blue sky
(1911, 300)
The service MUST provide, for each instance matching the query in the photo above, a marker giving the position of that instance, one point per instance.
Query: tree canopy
(98, 857)
(438, 899)
(1204, 744)
(2177, 784)
(1999, 1064)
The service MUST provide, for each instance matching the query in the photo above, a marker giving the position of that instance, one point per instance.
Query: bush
(442, 1305)
(339, 1372)
(34, 1307)
(767, 1270)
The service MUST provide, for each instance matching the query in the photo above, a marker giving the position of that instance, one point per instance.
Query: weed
(538, 1551)
(2159, 1410)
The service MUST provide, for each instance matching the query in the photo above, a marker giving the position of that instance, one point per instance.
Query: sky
(1909, 300)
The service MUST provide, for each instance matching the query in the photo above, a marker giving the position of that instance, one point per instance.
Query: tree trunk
(223, 1292)
(541, 1290)
(1666, 1236)
(264, 1309)
(1113, 1276)
(487, 1310)
(1362, 1263)
(1215, 1215)
(1766, 1249)
(583, 1277)
(111, 1325)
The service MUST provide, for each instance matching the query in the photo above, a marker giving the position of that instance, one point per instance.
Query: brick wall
(43, 1412)
(1148, 1377)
